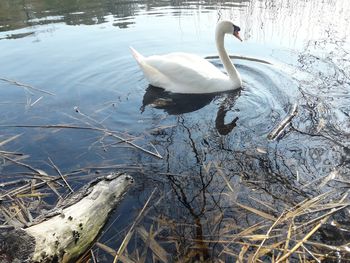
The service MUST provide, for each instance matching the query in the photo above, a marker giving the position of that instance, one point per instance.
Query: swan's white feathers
(179, 72)
(185, 62)
(187, 73)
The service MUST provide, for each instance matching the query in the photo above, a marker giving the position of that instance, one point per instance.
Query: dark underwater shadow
(176, 104)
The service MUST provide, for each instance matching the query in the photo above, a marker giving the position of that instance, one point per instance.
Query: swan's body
(188, 73)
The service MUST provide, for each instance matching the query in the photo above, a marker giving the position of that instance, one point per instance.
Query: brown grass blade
(60, 174)
(147, 245)
(131, 230)
(154, 246)
(113, 253)
(300, 243)
(257, 212)
(242, 253)
(256, 254)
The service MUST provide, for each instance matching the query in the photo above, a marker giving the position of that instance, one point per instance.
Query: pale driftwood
(283, 124)
(66, 232)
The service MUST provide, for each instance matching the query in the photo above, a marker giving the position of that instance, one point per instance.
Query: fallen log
(65, 233)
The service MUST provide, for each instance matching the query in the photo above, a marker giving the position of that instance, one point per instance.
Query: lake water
(75, 56)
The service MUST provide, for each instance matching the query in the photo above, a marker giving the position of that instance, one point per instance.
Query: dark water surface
(79, 52)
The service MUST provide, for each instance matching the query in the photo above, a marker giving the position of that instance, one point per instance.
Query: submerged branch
(60, 174)
(14, 82)
(107, 132)
(283, 124)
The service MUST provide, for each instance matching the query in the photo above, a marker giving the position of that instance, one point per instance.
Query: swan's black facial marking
(236, 28)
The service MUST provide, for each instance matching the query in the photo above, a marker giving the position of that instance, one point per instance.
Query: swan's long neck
(226, 61)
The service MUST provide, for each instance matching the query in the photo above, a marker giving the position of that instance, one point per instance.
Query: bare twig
(35, 102)
(311, 254)
(22, 164)
(59, 172)
(9, 139)
(306, 237)
(132, 229)
(256, 254)
(283, 124)
(14, 82)
(108, 132)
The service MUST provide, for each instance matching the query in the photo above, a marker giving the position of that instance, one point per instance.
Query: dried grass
(287, 237)
(278, 234)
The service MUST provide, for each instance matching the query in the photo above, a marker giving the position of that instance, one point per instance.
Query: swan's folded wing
(188, 64)
(185, 72)
(154, 76)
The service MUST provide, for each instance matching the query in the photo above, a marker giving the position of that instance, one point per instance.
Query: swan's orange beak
(236, 34)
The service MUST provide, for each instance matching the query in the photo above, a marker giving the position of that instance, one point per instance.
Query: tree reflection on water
(215, 179)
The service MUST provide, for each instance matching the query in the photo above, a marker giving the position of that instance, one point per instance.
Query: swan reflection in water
(176, 104)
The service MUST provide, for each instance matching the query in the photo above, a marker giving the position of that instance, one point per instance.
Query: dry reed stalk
(153, 245)
(289, 234)
(127, 237)
(31, 195)
(15, 182)
(244, 232)
(105, 131)
(149, 236)
(22, 164)
(253, 210)
(264, 204)
(304, 208)
(10, 218)
(325, 179)
(257, 212)
(12, 153)
(93, 256)
(25, 210)
(306, 237)
(275, 133)
(277, 247)
(27, 187)
(10, 139)
(256, 254)
(36, 101)
(14, 82)
(311, 254)
(59, 172)
(305, 205)
(343, 248)
(333, 211)
(244, 249)
(51, 185)
(113, 253)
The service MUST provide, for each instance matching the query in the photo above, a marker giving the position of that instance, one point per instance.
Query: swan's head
(227, 27)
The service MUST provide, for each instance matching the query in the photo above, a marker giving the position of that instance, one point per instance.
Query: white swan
(188, 73)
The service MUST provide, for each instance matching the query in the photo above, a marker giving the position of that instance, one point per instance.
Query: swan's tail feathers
(136, 55)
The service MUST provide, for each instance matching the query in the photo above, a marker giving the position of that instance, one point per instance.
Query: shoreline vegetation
(293, 234)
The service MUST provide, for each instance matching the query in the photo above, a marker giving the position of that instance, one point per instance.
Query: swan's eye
(236, 28)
